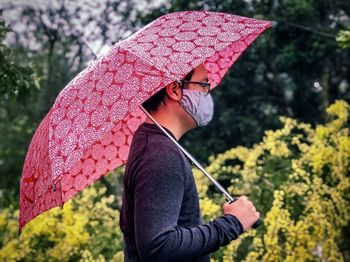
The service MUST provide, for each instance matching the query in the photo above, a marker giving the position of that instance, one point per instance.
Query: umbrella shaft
(228, 197)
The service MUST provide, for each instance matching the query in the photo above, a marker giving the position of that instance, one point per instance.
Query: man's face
(196, 102)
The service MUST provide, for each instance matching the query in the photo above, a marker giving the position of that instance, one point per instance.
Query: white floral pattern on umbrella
(88, 131)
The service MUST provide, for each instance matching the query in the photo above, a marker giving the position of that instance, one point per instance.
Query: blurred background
(296, 69)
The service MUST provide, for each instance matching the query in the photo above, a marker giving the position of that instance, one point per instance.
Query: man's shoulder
(152, 145)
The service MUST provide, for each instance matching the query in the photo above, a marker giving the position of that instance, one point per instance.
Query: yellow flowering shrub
(298, 178)
(86, 229)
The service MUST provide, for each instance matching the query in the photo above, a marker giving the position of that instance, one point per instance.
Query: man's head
(185, 104)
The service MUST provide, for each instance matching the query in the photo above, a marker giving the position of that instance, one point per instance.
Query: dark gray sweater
(160, 216)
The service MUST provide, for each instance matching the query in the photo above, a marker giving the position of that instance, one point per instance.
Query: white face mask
(199, 105)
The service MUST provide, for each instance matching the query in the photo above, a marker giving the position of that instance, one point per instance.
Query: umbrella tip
(274, 24)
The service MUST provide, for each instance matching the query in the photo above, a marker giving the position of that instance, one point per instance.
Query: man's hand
(244, 210)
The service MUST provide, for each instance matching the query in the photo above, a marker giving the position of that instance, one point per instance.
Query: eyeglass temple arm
(228, 197)
(183, 82)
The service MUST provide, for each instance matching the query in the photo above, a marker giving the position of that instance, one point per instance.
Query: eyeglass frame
(202, 84)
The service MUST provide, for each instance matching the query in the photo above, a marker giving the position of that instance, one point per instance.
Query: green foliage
(15, 80)
(17, 87)
(343, 38)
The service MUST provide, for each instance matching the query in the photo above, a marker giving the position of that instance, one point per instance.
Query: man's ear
(173, 91)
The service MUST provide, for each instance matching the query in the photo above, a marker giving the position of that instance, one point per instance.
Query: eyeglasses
(205, 85)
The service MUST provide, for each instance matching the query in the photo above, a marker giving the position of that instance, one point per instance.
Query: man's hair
(152, 103)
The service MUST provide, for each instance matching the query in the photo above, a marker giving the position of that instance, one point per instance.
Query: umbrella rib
(166, 72)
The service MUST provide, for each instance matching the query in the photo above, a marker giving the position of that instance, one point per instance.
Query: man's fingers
(257, 215)
(226, 204)
(244, 198)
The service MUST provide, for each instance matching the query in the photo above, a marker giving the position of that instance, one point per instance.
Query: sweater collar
(155, 129)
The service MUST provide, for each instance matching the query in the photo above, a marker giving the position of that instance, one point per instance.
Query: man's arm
(159, 190)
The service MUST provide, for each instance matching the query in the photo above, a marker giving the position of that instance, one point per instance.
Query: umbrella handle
(256, 224)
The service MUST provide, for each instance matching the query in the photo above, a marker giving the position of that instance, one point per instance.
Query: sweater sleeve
(159, 189)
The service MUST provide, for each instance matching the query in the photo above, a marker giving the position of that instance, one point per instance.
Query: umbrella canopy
(89, 129)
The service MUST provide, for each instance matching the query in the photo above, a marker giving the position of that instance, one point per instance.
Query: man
(160, 215)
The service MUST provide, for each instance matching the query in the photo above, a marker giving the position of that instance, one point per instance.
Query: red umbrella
(89, 129)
